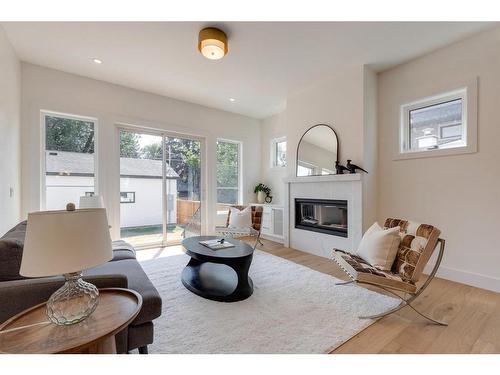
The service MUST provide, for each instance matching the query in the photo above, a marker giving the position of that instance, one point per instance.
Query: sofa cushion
(122, 250)
(138, 281)
(17, 233)
(11, 252)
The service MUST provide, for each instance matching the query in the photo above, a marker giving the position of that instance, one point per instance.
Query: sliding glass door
(160, 188)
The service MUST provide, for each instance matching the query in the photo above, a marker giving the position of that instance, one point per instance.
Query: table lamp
(67, 242)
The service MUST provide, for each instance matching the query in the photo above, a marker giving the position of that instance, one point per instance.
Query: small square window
(439, 125)
(435, 124)
(278, 152)
(127, 197)
(89, 193)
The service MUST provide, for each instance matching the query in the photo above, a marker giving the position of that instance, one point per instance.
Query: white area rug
(293, 310)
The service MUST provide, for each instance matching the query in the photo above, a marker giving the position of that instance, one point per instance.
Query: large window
(228, 172)
(438, 123)
(69, 159)
(278, 152)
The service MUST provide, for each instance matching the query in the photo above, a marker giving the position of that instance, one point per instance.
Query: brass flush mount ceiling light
(212, 43)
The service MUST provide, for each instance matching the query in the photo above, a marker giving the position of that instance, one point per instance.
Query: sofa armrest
(18, 295)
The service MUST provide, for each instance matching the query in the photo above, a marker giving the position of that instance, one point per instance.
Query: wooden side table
(31, 332)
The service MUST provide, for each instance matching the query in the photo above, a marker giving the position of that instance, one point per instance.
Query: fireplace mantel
(326, 178)
(348, 187)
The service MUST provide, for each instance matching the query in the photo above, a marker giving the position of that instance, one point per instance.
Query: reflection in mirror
(317, 151)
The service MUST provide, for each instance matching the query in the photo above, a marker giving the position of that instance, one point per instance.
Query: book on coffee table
(216, 244)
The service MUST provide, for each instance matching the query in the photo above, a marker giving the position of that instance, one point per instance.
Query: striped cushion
(417, 244)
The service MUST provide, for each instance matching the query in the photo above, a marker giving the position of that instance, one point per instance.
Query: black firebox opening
(321, 215)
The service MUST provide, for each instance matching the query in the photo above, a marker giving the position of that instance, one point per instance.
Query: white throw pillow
(379, 246)
(240, 219)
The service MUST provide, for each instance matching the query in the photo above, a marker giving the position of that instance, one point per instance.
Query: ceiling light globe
(212, 51)
(212, 43)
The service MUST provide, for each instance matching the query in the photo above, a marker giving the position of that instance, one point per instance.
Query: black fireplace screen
(321, 215)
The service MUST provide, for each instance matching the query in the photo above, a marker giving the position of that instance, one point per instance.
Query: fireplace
(321, 215)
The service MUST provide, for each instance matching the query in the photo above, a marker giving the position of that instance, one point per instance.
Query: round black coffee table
(219, 275)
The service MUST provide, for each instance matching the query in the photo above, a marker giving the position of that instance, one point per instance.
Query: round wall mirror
(317, 152)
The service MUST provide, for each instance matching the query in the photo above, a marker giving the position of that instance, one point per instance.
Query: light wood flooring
(473, 314)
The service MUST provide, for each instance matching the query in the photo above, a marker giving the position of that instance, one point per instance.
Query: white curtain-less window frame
(468, 93)
(43, 156)
(274, 152)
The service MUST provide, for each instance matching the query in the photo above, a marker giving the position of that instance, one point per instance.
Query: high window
(441, 124)
(228, 172)
(278, 152)
(69, 159)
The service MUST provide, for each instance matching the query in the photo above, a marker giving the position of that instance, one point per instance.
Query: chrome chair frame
(408, 301)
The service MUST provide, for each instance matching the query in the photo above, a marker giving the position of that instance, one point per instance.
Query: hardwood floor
(473, 314)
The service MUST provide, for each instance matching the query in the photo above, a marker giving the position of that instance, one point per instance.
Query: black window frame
(127, 192)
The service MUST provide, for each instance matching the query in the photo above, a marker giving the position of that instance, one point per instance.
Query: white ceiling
(266, 61)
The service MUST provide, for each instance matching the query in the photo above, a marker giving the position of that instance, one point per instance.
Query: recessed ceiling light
(232, 99)
(97, 61)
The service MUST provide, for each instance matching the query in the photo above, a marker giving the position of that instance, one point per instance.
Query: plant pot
(261, 197)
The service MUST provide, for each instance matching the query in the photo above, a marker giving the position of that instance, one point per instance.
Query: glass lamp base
(73, 302)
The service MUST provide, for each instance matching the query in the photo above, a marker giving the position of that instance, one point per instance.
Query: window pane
(69, 161)
(280, 154)
(141, 218)
(227, 172)
(228, 195)
(304, 171)
(436, 126)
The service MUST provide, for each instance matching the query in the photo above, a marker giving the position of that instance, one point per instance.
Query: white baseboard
(465, 277)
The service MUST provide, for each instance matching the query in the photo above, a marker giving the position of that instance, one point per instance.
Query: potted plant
(262, 192)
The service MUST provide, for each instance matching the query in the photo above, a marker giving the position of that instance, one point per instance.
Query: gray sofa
(124, 271)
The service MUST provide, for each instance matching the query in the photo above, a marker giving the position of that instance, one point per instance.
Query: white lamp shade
(59, 242)
(212, 49)
(94, 201)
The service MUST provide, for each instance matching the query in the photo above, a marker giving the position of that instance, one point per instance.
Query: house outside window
(278, 152)
(442, 124)
(127, 197)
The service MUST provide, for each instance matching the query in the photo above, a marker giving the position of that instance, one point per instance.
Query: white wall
(459, 194)
(273, 127)
(336, 101)
(370, 148)
(10, 130)
(347, 102)
(49, 89)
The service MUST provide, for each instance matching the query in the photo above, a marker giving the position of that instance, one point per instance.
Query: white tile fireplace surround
(335, 187)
